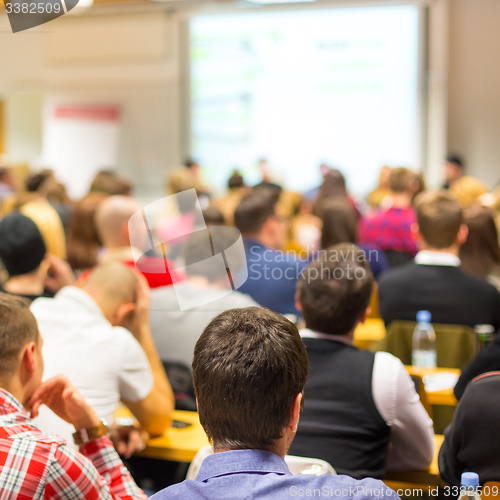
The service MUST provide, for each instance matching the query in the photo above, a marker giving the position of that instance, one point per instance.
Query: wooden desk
(371, 330)
(444, 397)
(178, 445)
(424, 480)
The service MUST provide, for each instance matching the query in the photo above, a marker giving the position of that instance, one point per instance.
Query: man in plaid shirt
(36, 465)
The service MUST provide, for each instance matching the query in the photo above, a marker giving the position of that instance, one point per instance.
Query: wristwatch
(84, 436)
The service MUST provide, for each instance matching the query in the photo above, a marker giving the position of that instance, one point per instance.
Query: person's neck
(25, 284)
(451, 250)
(280, 448)
(349, 336)
(14, 387)
(400, 200)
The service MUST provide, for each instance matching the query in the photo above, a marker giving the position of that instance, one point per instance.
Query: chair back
(297, 465)
(455, 344)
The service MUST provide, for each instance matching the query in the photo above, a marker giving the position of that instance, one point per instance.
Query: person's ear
(462, 235)
(365, 315)
(29, 357)
(295, 412)
(123, 314)
(298, 305)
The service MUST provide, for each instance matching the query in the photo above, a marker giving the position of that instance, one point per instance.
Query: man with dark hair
(362, 414)
(32, 272)
(34, 464)
(189, 306)
(249, 369)
(390, 229)
(435, 282)
(453, 169)
(272, 274)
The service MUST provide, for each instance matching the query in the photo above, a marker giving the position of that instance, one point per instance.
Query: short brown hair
(254, 209)
(439, 218)
(249, 364)
(17, 327)
(400, 179)
(335, 289)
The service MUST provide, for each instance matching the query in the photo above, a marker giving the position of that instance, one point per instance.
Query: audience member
(339, 226)
(84, 339)
(333, 187)
(31, 272)
(34, 464)
(435, 282)
(390, 229)
(249, 370)
(480, 254)
(112, 222)
(488, 360)
(361, 414)
(466, 189)
(272, 274)
(108, 182)
(453, 170)
(213, 216)
(472, 441)
(83, 243)
(267, 178)
(61, 202)
(228, 203)
(382, 193)
(189, 307)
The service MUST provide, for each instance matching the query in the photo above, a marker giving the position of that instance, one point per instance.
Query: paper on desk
(440, 381)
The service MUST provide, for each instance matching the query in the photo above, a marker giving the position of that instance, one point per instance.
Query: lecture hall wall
(132, 57)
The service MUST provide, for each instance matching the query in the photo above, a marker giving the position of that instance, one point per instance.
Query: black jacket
(486, 361)
(472, 441)
(452, 296)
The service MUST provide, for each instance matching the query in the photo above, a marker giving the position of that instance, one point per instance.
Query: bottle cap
(470, 479)
(424, 317)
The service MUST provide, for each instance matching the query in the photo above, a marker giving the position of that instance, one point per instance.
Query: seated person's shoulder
(399, 274)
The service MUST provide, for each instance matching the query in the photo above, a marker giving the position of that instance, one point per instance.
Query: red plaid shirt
(35, 465)
(389, 230)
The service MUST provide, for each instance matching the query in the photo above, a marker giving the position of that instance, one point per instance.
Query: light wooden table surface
(178, 445)
(444, 397)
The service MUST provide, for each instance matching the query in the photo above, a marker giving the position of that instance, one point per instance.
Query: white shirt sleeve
(412, 435)
(135, 377)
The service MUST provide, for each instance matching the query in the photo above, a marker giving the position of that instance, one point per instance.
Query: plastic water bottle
(469, 487)
(424, 342)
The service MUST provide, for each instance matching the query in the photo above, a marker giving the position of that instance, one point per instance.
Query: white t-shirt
(176, 332)
(104, 362)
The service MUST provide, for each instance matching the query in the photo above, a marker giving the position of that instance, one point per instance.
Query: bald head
(112, 220)
(112, 286)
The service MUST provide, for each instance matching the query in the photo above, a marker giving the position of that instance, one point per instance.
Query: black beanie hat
(21, 244)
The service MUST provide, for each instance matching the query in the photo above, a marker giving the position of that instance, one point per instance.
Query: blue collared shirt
(262, 475)
(272, 276)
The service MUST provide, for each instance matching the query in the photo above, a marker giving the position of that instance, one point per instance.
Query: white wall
(127, 57)
(474, 86)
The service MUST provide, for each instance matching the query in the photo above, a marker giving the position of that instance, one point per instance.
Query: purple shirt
(262, 475)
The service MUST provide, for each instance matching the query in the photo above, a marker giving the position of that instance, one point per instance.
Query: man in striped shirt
(36, 465)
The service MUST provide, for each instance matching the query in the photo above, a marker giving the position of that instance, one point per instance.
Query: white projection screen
(338, 86)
